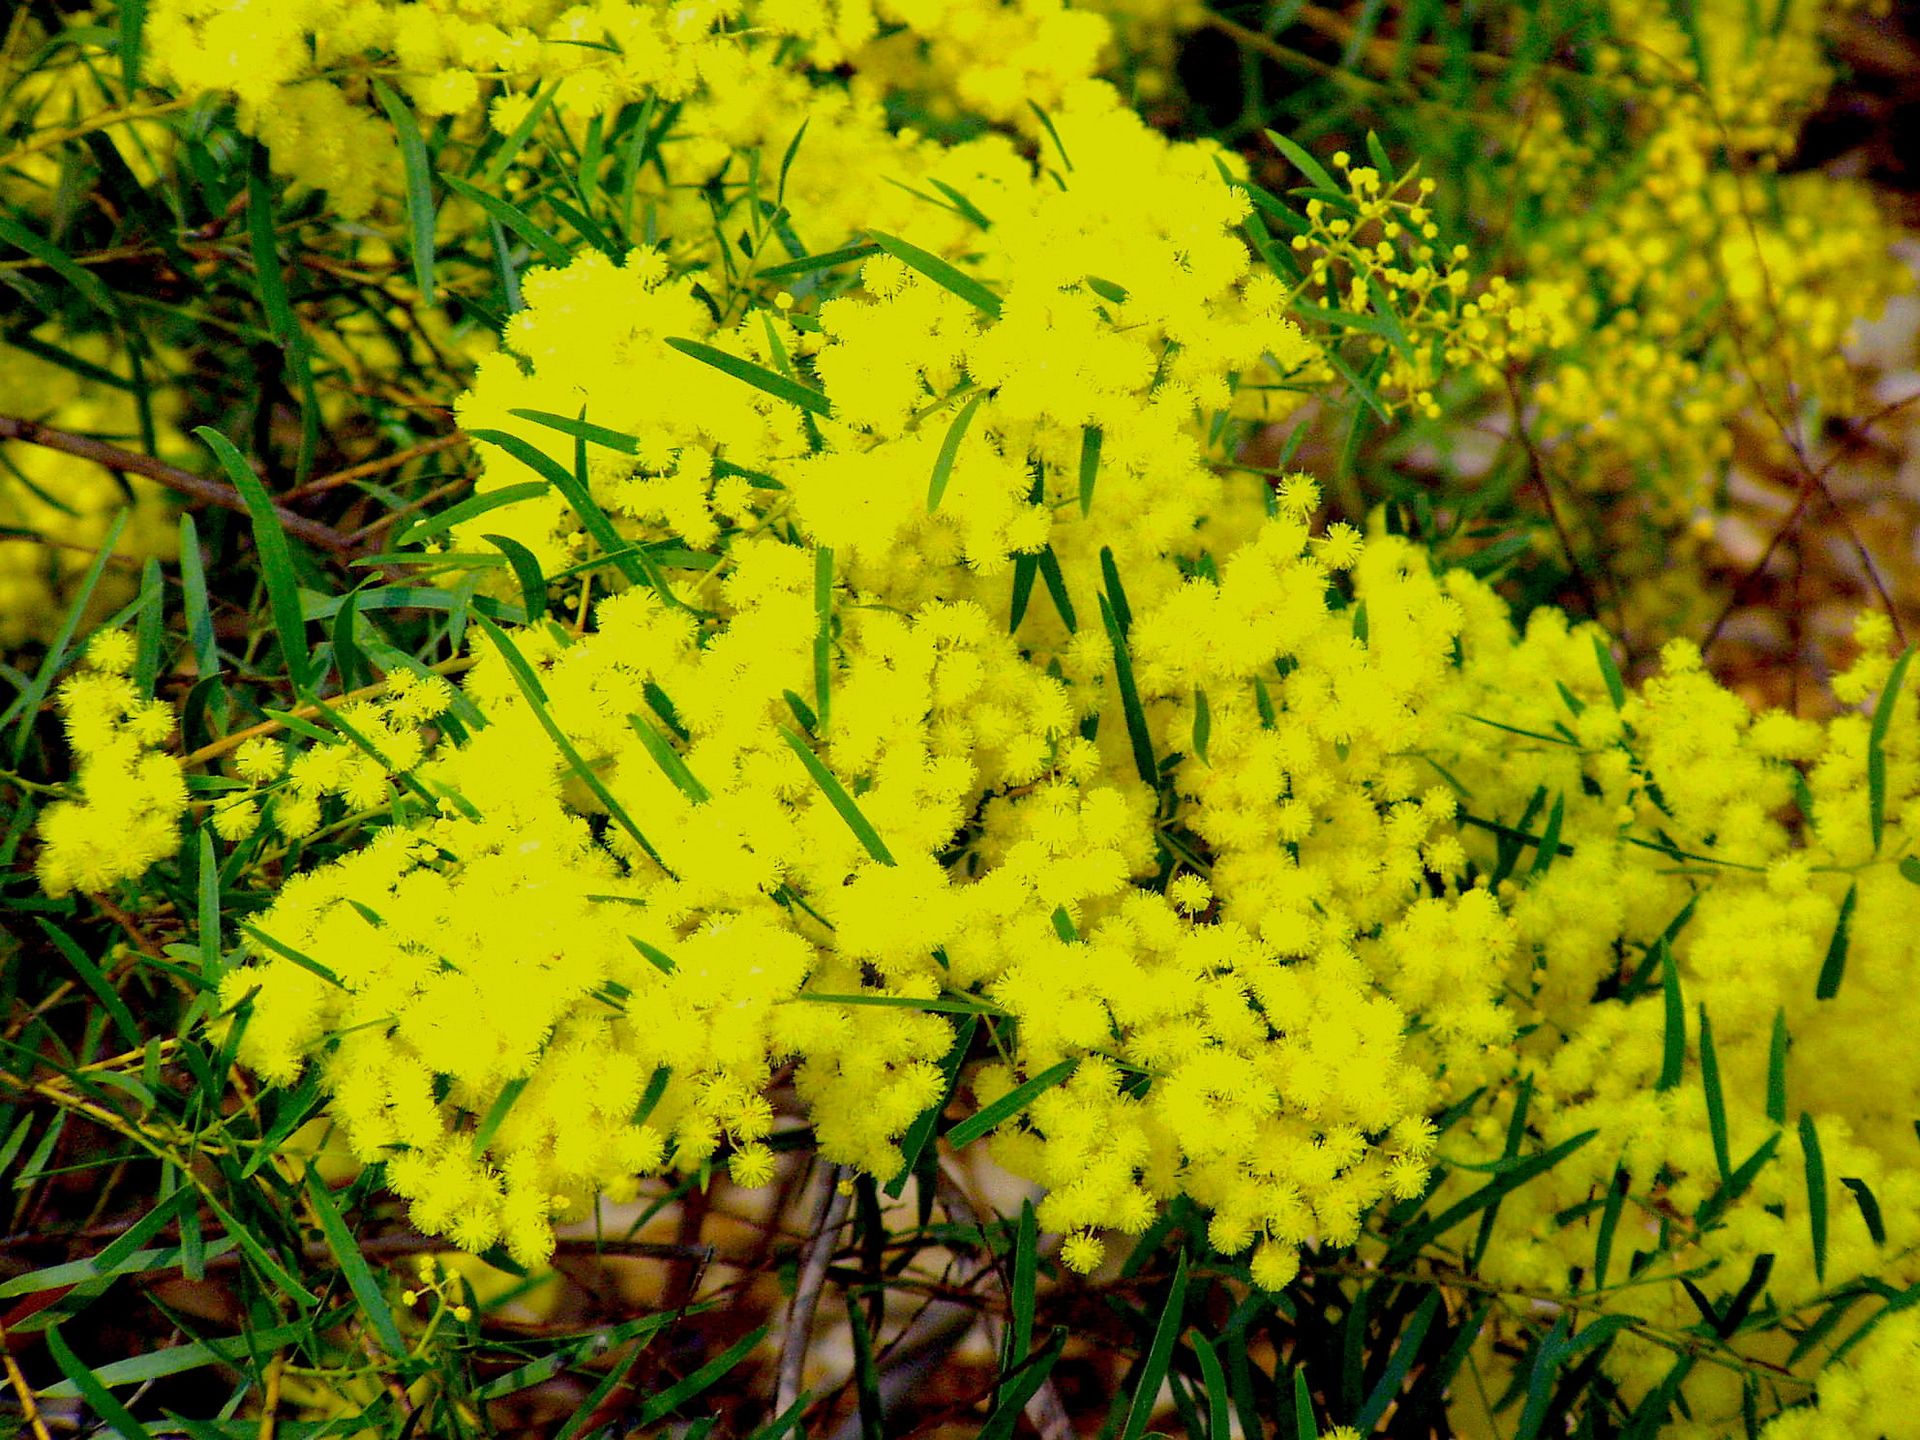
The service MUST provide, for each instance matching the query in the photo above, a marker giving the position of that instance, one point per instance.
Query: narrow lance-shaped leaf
(1091, 439)
(1716, 1101)
(536, 698)
(276, 558)
(1159, 1355)
(950, 450)
(1816, 1170)
(1877, 746)
(1674, 1059)
(1008, 1105)
(419, 177)
(1834, 968)
(758, 376)
(360, 1277)
(837, 796)
(940, 272)
(823, 632)
(1777, 1070)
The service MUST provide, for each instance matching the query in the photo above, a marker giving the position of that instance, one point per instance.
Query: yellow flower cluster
(302, 73)
(129, 796)
(1724, 926)
(945, 719)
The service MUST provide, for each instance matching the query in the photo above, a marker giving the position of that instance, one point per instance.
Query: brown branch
(831, 1213)
(197, 487)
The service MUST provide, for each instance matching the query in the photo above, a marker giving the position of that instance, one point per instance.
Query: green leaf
(574, 489)
(419, 175)
(1910, 869)
(1863, 1196)
(1505, 1182)
(1549, 847)
(1547, 1358)
(1777, 1070)
(779, 386)
(261, 1256)
(193, 590)
(212, 965)
(1091, 439)
(919, 1134)
(1816, 1168)
(1219, 1406)
(1609, 1222)
(97, 1397)
(526, 570)
(1305, 1426)
(89, 973)
(838, 797)
(1674, 1059)
(866, 1374)
(360, 1278)
(946, 276)
(536, 697)
(1877, 746)
(442, 521)
(616, 1376)
(1303, 162)
(1610, 672)
(62, 264)
(1716, 1102)
(550, 249)
(659, 1406)
(1021, 1387)
(1202, 725)
(1833, 968)
(582, 429)
(1008, 1105)
(276, 559)
(825, 260)
(823, 633)
(1153, 1372)
(1021, 1289)
(1735, 1186)
(950, 449)
(1049, 565)
(670, 761)
(1377, 153)
(1405, 1351)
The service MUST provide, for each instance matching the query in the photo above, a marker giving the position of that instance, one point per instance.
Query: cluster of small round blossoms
(128, 797)
(799, 762)
(1722, 872)
(742, 76)
(380, 738)
(1374, 259)
(1691, 288)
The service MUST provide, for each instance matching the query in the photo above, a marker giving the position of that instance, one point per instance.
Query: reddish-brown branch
(197, 487)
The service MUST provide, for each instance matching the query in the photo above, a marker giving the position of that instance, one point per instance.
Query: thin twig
(199, 487)
(374, 467)
(830, 1215)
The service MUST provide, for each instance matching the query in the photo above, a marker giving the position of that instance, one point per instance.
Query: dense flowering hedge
(894, 671)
